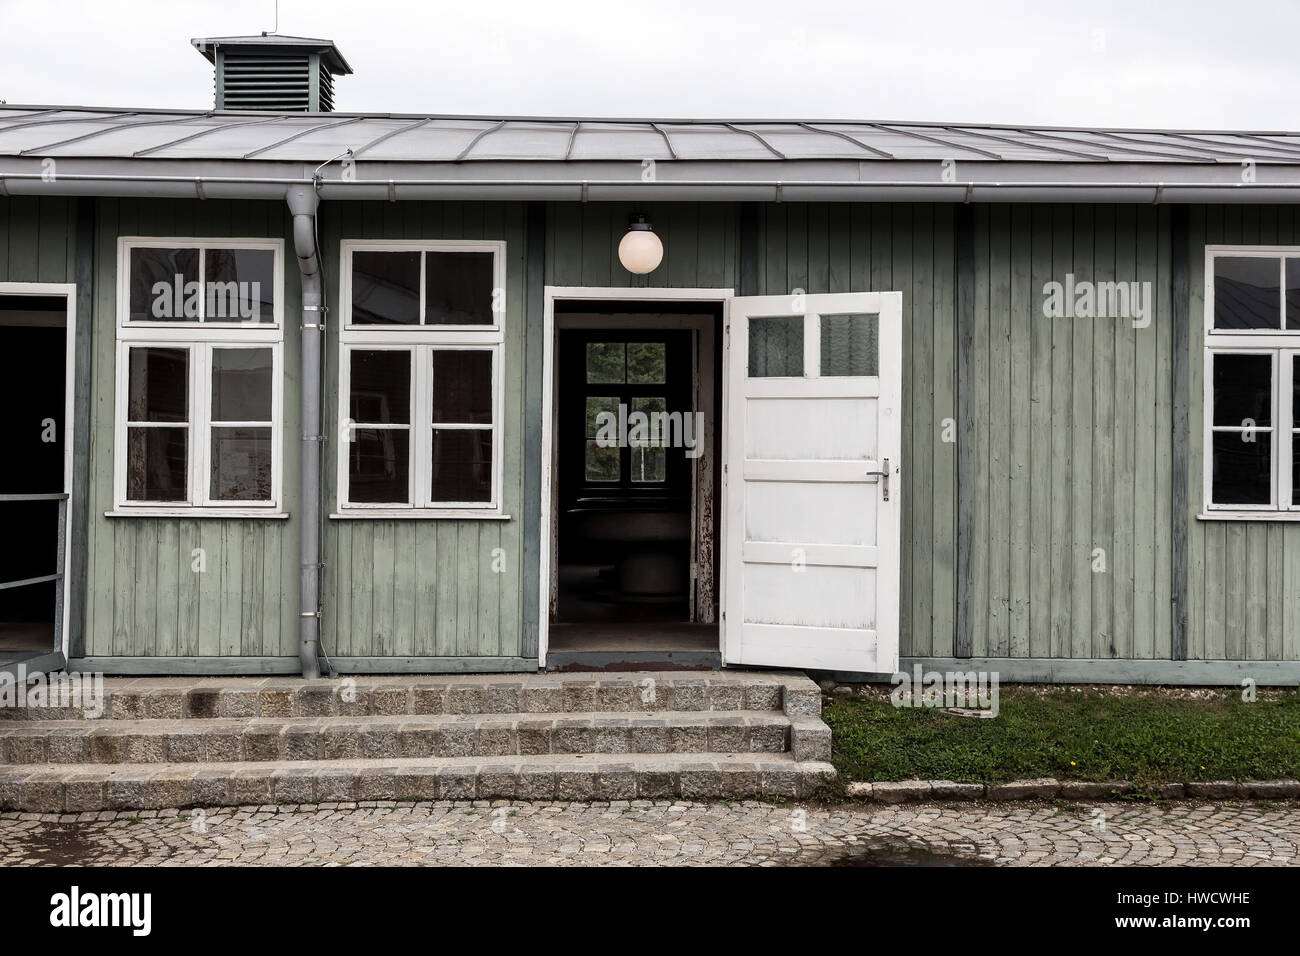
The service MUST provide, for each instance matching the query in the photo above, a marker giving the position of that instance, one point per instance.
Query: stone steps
(172, 698)
(435, 735)
(77, 788)
(155, 743)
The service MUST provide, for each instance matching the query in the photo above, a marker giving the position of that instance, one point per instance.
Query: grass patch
(1146, 738)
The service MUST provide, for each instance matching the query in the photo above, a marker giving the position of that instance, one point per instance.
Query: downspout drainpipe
(303, 203)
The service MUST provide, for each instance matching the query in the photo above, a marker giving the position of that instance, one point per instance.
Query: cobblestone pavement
(665, 832)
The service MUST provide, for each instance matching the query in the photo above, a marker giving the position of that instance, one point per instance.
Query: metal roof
(843, 159)
(171, 134)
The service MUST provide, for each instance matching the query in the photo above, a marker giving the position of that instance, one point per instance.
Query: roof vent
(280, 74)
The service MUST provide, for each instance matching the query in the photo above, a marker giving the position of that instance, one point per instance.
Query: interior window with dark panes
(458, 288)
(1242, 430)
(162, 285)
(461, 419)
(379, 450)
(158, 424)
(1247, 292)
(241, 416)
(385, 288)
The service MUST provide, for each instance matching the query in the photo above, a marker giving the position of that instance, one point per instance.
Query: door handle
(883, 476)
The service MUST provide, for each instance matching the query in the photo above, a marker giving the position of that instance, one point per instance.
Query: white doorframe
(69, 291)
(593, 294)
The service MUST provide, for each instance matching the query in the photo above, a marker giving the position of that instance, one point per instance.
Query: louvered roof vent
(280, 74)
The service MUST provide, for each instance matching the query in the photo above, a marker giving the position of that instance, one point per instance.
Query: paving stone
(1213, 789)
(1043, 788)
(897, 791)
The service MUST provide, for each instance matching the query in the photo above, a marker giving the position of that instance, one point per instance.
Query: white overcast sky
(1177, 63)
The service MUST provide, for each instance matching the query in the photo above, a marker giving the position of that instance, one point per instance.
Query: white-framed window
(421, 346)
(1252, 374)
(200, 332)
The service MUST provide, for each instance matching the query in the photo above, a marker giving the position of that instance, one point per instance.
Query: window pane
(645, 363)
(381, 386)
(1246, 293)
(158, 285)
(458, 288)
(378, 465)
(241, 464)
(649, 461)
(462, 387)
(1243, 390)
(596, 404)
(1242, 468)
(241, 385)
(385, 288)
(462, 464)
(1293, 294)
(776, 346)
(156, 464)
(240, 285)
(850, 344)
(605, 363)
(158, 385)
(602, 462)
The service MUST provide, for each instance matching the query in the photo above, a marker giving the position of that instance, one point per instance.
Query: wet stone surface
(665, 833)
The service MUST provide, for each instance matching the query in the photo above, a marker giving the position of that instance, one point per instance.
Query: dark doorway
(634, 488)
(33, 357)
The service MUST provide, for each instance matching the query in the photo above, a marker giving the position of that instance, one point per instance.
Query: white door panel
(813, 412)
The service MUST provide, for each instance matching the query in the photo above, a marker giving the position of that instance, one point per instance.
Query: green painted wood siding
(144, 599)
(1243, 576)
(37, 239)
(426, 587)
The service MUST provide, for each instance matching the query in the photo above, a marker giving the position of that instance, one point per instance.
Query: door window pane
(157, 464)
(379, 466)
(462, 464)
(241, 464)
(1246, 293)
(158, 384)
(458, 288)
(1242, 463)
(241, 385)
(776, 346)
(462, 387)
(850, 344)
(239, 285)
(385, 288)
(159, 279)
(602, 462)
(605, 363)
(645, 363)
(1243, 390)
(381, 386)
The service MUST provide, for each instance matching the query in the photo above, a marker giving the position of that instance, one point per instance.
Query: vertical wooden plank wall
(427, 588)
(145, 599)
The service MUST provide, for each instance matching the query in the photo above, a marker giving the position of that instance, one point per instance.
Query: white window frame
(198, 338)
(1283, 348)
(420, 341)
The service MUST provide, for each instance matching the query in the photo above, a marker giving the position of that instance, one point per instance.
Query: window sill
(417, 514)
(197, 513)
(1248, 516)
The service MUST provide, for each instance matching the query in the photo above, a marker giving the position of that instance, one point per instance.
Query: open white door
(811, 540)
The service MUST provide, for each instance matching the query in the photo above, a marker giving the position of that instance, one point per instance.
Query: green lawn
(1146, 737)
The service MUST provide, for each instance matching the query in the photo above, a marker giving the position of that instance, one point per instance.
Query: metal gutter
(842, 190)
(303, 203)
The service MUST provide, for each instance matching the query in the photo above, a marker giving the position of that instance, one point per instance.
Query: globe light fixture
(640, 250)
